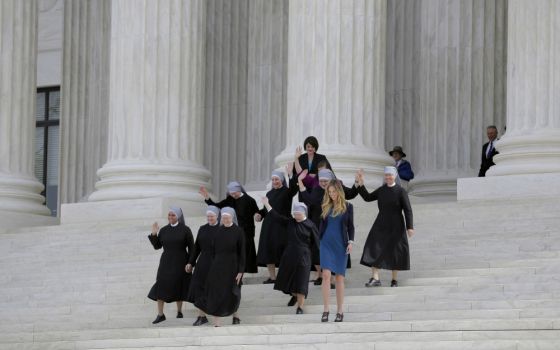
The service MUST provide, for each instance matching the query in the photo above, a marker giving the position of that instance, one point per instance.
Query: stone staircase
(484, 276)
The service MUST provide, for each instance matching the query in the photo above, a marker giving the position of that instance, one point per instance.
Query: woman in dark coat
(172, 281)
(302, 236)
(245, 208)
(222, 293)
(313, 199)
(272, 240)
(386, 246)
(337, 237)
(201, 258)
(310, 159)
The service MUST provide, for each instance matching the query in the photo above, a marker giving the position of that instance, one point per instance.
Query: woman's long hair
(328, 205)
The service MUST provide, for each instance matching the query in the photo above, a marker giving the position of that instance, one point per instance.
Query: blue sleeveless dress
(332, 249)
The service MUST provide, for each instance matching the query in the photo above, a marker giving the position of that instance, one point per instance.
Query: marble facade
(245, 81)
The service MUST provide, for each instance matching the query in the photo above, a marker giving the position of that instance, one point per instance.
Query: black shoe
(179, 314)
(394, 283)
(339, 317)
(159, 318)
(318, 281)
(269, 281)
(333, 286)
(292, 301)
(299, 311)
(200, 320)
(373, 283)
(325, 317)
(236, 320)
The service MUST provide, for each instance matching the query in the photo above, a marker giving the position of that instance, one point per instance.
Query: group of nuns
(315, 232)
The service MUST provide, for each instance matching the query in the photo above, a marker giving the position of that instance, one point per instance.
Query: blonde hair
(338, 207)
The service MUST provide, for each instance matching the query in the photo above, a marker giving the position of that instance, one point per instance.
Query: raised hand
(289, 168)
(155, 229)
(203, 192)
(302, 175)
(299, 151)
(264, 200)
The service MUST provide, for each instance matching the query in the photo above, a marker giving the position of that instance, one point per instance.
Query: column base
(346, 160)
(509, 187)
(142, 179)
(22, 195)
(142, 211)
(434, 187)
(535, 153)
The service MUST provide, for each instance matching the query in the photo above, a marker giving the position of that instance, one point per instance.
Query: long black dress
(245, 209)
(222, 295)
(272, 240)
(302, 237)
(203, 251)
(313, 199)
(386, 246)
(172, 281)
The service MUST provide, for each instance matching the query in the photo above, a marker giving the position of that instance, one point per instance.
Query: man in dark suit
(488, 150)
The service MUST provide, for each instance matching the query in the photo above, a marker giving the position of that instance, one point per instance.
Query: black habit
(272, 240)
(201, 259)
(386, 246)
(172, 281)
(222, 295)
(245, 209)
(302, 238)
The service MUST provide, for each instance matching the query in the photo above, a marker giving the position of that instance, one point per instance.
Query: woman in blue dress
(337, 236)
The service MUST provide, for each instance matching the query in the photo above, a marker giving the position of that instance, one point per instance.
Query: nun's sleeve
(155, 240)
(190, 242)
(407, 209)
(350, 193)
(305, 197)
(276, 216)
(293, 186)
(223, 203)
(368, 197)
(241, 252)
(196, 250)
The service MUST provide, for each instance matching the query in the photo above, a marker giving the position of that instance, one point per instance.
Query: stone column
(19, 190)
(267, 87)
(155, 135)
(532, 142)
(225, 111)
(336, 83)
(460, 90)
(85, 96)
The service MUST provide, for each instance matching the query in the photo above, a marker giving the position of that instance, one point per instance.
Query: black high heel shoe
(325, 317)
(339, 317)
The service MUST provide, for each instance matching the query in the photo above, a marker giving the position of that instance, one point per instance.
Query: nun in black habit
(272, 240)
(245, 207)
(303, 237)
(314, 199)
(172, 281)
(222, 292)
(201, 259)
(386, 246)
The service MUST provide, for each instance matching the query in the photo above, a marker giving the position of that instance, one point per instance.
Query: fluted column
(461, 90)
(85, 96)
(532, 142)
(155, 135)
(267, 86)
(336, 83)
(19, 190)
(225, 111)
